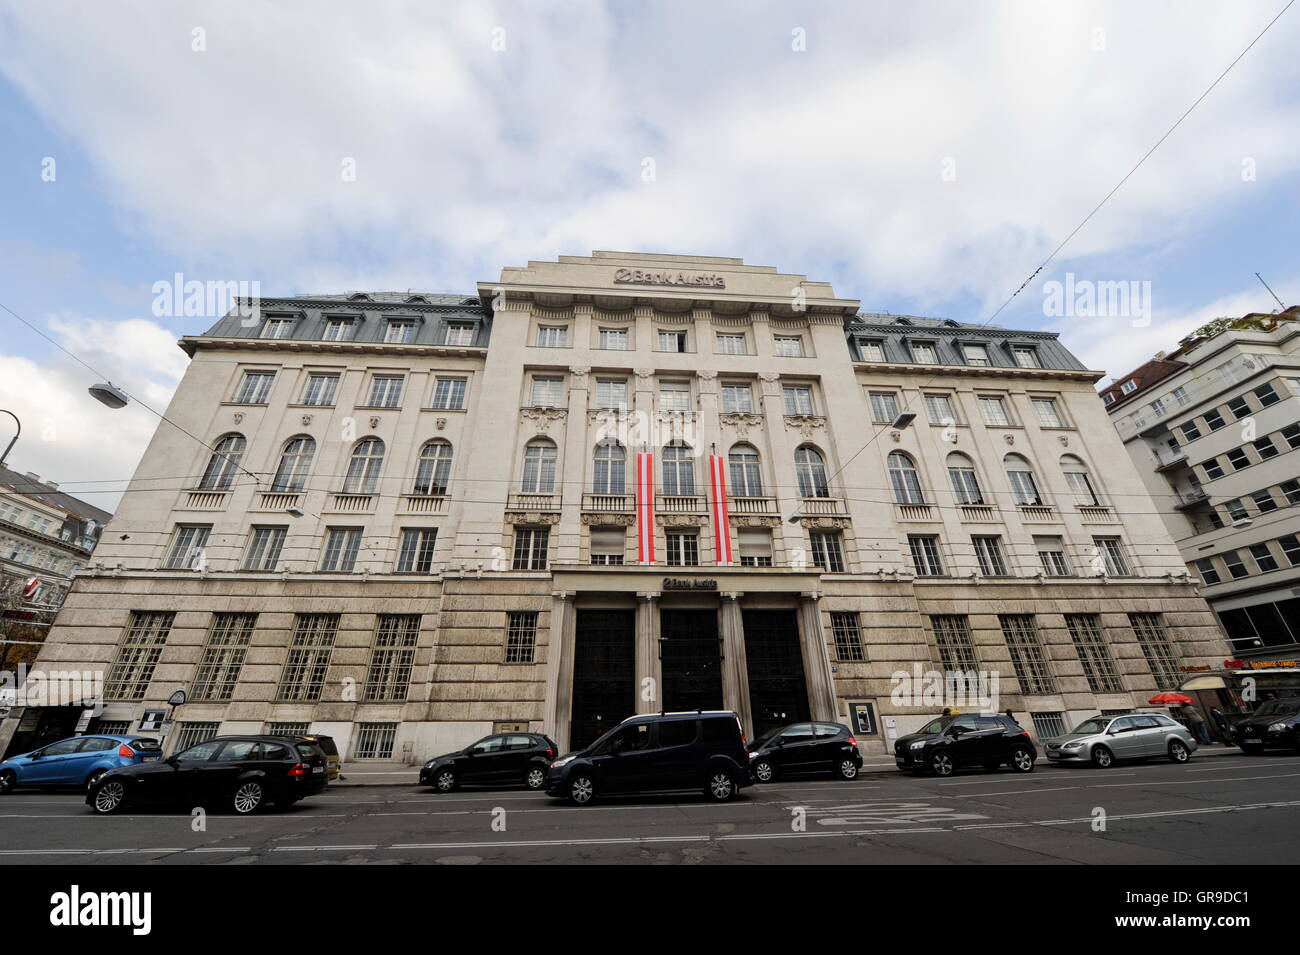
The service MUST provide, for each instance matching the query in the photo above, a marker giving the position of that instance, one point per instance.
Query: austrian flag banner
(645, 508)
(718, 510)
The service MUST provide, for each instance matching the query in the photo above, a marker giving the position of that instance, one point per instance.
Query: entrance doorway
(691, 659)
(778, 692)
(604, 673)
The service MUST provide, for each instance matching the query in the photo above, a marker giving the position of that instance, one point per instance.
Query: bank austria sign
(639, 277)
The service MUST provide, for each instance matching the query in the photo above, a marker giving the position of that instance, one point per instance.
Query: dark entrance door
(604, 673)
(778, 692)
(691, 659)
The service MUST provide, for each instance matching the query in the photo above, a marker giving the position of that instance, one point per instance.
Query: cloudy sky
(923, 157)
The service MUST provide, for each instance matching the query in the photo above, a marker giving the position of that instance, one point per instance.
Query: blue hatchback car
(78, 762)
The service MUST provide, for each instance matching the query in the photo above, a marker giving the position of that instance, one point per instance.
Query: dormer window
(338, 329)
(924, 353)
(975, 354)
(359, 297)
(1026, 356)
(871, 350)
(399, 333)
(1128, 387)
(277, 327)
(459, 333)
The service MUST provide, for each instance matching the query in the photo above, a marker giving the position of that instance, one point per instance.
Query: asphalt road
(1230, 809)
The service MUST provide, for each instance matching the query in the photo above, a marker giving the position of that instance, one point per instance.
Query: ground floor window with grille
(1048, 725)
(521, 636)
(1098, 667)
(375, 740)
(848, 636)
(683, 548)
(286, 729)
(389, 677)
(187, 734)
(530, 548)
(223, 656)
(113, 727)
(1027, 658)
(827, 552)
(129, 676)
(952, 637)
(1156, 647)
(303, 676)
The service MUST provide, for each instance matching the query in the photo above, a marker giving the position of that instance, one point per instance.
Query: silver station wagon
(1102, 740)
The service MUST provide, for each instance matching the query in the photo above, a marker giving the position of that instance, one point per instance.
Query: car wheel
(1178, 752)
(1022, 761)
(110, 797)
(248, 798)
(941, 764)
(8, 779)
(764, 772)
(582, 789)
(95, 777)
(1102, 758)
(444, 781)
(721, 786)
(847, 769)
(535, 778)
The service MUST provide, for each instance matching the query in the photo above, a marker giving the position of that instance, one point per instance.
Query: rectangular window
(188, 543)
(1026, 357)
(415, 556)
(1213, 470)
(1264, 501)
(1209, 573)
(612, 339)
(871, 350)
(1051, 554)
(755, 546)
(341, 547)
(1214, 420)
(1048, 725)
(393, 657)
(1292, 435)
(848, 637)
(798, 399)
(788, 346)
(611, 393)
(1236, 510)
(924, 353)
(1027, 657)
(953, 639)
(1267, 395)
(459, 333)
(1238, 459)
(925, 555)
(277, 328)
(547, 393)
(1098, 667)
(264, 546)
(608, 545)
(732, 344)
(674, 396)
(1049, 415)
(223, 657)
(553, 336)
(994, 410)
(1263, 558)
(1292, 491)
(308, 661)
(255, 387)
(672, 341)
(1190, 431)
(683, 548)
(1265, 448)
(138, 654)
(338, 330)
(988, 551)
(1157, 647)
(1290, 544)
(521, 636)
(975, 354)
(1239, 407)
(531, 544)
(399, 333)
(884, 407)
(320, 389)
(287, 729)
(375, 741)
(385, 391)
(737, 398)
(940, 410)
(1110, 552)
(1236, 566)
(191, 733)
(827, 552)
(449, 393)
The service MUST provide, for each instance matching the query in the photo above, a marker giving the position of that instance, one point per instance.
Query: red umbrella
(1169, 699)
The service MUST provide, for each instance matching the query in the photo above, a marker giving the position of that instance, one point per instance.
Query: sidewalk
(399, 774)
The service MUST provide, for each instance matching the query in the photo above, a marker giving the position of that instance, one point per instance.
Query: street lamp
(12, 441)
(106, 393)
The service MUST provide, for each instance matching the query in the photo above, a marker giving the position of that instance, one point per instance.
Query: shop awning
(1204, 683)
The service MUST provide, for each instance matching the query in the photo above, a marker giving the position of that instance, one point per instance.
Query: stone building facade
(622, 483)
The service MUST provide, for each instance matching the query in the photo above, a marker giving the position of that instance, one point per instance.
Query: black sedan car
(950, 742)
(502, 759)
(803, 748)
(239, 773)
(1276, 725)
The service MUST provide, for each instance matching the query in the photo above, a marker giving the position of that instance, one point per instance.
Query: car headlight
(1074, 745)
(919, 744)
(1277, 728)
(429, 764)
(562, 761)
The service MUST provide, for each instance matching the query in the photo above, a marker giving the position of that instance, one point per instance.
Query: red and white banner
(718, 509)
(645, 508)
(31, 587)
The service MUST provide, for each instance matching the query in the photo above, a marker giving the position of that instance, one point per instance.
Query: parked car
(333, 765)
(802, 748)
(1275, 723)
(949, 743)
(1102, 740)
(656, 752)
(502, 759)
(242, 774)
(79, 761)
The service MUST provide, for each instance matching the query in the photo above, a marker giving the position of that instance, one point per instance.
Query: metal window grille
(848, 636)
(1048, 725)
(303, 676)
(953, 639)
(1156, 647)
(129, 677)
(223, 656)
(521, 636)
(375, 740)
(286, 729)
(190, 733)
(1027, 658)
(1098, 667)
(389, 676)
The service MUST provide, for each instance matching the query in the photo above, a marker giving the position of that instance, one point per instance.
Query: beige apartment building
(622, 483)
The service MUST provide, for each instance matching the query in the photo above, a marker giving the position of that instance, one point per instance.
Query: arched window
(363, 469)
(295, 464)
(745, 475)
(1076, 477)
(679, 469)
(810, 467)
(610, 473)
(539, 467)
(433, 473)
(904, 479)
(1024, 489)
(224, 463)
(965, 486)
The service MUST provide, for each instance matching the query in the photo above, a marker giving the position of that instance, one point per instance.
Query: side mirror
(956, 730)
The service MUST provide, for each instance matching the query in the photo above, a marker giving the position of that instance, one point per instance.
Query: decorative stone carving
(374, 421)
(598, 519)
(770, 376)
(805, 424)
(826, 523)
(531, 517)
(742, 421)
(682, 520)
(542, 417)
(754, 520)
(306, 420)
(607, 416)
(579, 373)
(1064, 439)
(239, 416)
(707, 374)
(644, 373)
(440, 423)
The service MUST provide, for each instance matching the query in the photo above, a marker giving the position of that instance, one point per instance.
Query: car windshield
(935, 726)
(1093, 726)
(1279, 708)
(149, 745)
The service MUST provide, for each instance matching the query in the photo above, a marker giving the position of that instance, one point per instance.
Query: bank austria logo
(76, 908)
(639, 277)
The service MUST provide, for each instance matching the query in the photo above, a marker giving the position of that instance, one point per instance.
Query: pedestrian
(1196, 723)
(1220, 723)
(947, 711)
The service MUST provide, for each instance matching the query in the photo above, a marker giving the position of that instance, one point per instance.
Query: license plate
(318, 769)
(147, 758)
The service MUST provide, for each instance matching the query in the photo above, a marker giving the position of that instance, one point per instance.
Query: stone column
(822, 704)
(735, 666)
(649, 695)
(557, 711)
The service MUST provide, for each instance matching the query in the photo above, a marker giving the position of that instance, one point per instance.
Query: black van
(703, 750)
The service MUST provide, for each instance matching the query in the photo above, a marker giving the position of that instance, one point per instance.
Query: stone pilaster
(735, 665)
(649, 673)
(558, 711)
(822, 704)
